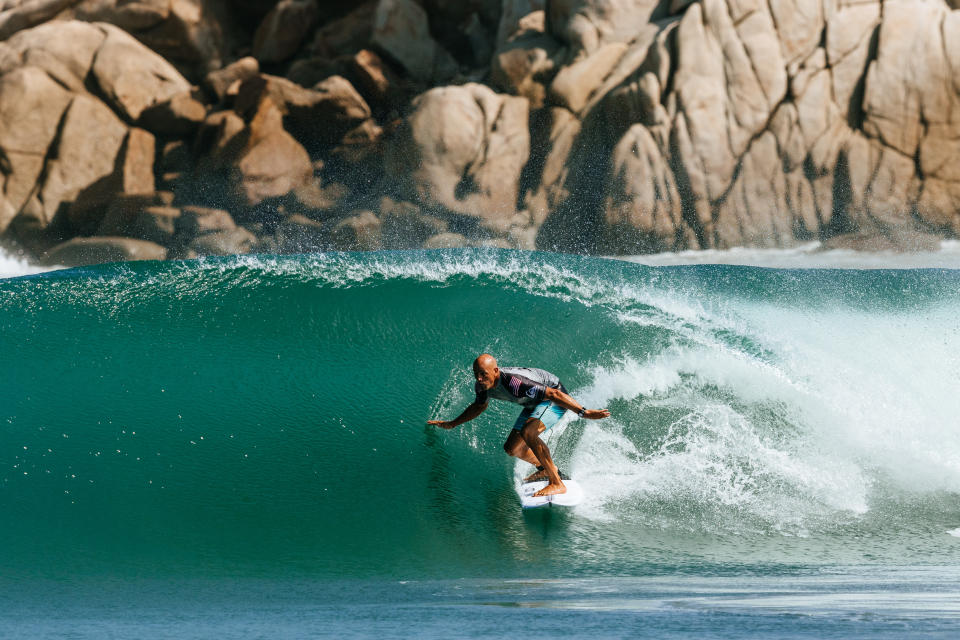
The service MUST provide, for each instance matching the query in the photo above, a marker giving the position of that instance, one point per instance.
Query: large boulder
(643, 208)
(17, 15)
(156, 224)
(176, 117)
(192, 34)
(221, 82)
(246, 160)
(270, 162)
(84, 251)
(462, 150)
(131, 76)
(31, 108)
(360, 231)
(224, 243)
(401, 31)
(136, 15)
(585, 25)
(283, 30)
(69, 92)
(197, 221)
(347, 34)
(525, 61)
(90, 141)
(64, 50)
(318, 117)
(574, 84)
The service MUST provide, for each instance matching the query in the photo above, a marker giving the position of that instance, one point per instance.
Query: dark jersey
(523, 385)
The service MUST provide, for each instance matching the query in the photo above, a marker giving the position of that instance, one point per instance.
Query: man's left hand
(596, 414)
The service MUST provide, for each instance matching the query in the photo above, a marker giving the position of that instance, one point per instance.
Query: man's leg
(516, 447)
(531, 436)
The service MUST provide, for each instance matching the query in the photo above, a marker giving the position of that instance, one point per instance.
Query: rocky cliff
(176, 128)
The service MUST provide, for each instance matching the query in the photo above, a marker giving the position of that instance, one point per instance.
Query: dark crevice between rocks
(494, 127)
(60, 82)
(467, 186)
(688, 209)
(576, 225)
(917, 166)
(841, 219)
(810, 175)
(663, 11)
(539, 124)
(856, 113)
(670, 44)
(92, 85)
(798, 226)
(743, 18)
(30, 232)
(719, 201)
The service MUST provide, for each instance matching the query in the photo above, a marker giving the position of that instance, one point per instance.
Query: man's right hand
(443, 424)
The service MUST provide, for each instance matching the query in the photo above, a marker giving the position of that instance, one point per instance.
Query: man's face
(486, 376)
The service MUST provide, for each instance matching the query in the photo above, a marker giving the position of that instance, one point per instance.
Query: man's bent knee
(531, 430)
(514, 449)
(514, 446)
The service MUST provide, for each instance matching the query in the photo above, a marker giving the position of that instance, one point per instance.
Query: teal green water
(266, 415)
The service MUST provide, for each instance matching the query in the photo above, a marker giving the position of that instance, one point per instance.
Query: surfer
(544, 400)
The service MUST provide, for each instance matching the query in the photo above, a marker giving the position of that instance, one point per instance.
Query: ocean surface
(236, 447)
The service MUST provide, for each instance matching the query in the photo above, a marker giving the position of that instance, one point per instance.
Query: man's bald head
(485, 370)
(484, 361)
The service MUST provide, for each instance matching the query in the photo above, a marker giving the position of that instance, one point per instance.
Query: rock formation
(609, 126)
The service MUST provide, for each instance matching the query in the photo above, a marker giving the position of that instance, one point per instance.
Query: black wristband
(582, 411)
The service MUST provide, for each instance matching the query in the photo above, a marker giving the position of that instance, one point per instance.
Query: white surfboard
(572, 497)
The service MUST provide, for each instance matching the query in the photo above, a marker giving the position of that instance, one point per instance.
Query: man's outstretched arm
(565, 401)
(468, 414)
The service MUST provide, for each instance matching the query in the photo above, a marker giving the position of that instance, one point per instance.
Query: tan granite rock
(905, 85)
(197, 221)
(401, 30)
(524, 64)
(574, 84)
(271, 163)
(333, 102)
(137, 15)
(31, 108)
(156, 224)
(224, 243)
(642, 207)
(131, 76)
(220, 81)
(283, 30)
(89, 143)
(85, 251)
(176, 117)
(462, 149)
(65, 50)
(360, 231)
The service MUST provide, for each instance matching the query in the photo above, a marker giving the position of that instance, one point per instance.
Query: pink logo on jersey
(515, 385)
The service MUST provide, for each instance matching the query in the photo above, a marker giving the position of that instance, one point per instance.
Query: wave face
(269, 411)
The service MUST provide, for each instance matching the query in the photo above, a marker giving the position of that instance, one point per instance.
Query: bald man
(544, 402)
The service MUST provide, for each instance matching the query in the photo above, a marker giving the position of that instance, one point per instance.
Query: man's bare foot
(539, 474)
(551, 490)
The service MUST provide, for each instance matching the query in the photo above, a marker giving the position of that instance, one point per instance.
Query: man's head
(486, 371)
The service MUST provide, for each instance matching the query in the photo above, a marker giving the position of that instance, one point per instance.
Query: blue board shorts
(546, 412)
